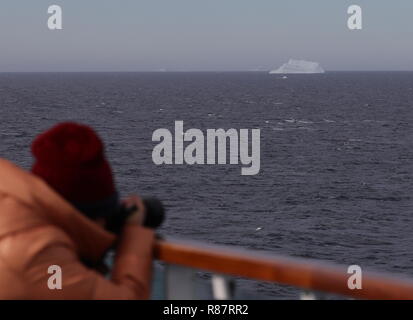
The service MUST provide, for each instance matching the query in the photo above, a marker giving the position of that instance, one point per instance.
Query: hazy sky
(186, 35)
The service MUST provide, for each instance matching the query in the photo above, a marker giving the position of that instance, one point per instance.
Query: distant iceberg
(298, 66)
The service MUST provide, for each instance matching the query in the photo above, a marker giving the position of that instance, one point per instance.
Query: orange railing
(303, 273)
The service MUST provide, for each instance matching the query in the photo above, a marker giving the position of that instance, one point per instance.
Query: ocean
(336, 156)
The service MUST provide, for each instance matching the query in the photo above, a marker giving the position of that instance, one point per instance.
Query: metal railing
(184, 257)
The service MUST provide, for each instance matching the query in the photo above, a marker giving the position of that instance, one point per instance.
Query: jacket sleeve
(131, 276)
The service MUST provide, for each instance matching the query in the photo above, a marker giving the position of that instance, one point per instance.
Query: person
(53, 223)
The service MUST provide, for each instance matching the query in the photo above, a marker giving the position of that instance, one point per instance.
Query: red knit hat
(70, 158)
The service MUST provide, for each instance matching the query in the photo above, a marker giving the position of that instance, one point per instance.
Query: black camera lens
(155, 213)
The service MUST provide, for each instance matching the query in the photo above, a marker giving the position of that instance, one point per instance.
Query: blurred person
(58, 215)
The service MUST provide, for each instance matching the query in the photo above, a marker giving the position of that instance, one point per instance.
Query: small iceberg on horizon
(298, 66)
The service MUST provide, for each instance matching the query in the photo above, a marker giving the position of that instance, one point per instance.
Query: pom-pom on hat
(70, 158)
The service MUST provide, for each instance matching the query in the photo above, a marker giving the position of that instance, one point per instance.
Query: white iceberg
(298, 66)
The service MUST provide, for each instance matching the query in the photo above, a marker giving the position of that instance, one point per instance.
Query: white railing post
(222, 287)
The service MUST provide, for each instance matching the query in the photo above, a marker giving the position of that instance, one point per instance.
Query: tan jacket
(39, 229)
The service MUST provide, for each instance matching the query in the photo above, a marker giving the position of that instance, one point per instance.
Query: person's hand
(138, 216)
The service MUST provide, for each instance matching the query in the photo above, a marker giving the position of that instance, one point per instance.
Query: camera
(155, 215)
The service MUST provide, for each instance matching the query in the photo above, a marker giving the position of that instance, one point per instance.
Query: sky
(204, 35)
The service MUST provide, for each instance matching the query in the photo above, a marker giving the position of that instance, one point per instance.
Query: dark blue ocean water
(336, 155)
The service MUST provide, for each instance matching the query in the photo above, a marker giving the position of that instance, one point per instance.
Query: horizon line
(190, 71)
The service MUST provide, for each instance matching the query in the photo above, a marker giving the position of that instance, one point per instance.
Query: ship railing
(183, 259)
